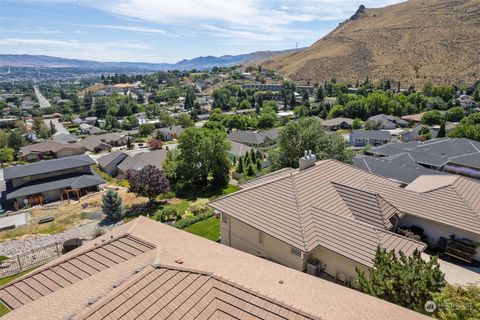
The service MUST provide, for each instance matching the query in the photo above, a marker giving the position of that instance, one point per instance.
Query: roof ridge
(299, 212)
(477, 215)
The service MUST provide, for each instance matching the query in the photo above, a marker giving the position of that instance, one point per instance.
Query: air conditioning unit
(313, 267)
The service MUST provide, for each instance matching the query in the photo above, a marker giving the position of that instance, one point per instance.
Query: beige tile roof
(187, 277)
(450, 200)
(354, 239)
(279, 205)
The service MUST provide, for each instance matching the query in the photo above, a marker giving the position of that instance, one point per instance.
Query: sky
(166, 30)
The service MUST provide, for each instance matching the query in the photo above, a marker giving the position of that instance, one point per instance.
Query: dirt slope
(409, 42)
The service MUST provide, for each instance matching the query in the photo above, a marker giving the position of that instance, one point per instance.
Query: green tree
(190, 98)
(320, 94)
(185, 120)
(146, 129)
(307, 134)
(53, 130)
(407, 281)
(442, 132)
(454, 114)
(432, 117)
(6, 155)
(112, 205)
(239, 167)
(266, 120)
(357, 124)
(250, 170)
(203, 157)
(166, 120)
(425, 133)
(300, 111)
(458, 302)
(16, 140)
(244, 104)
(100, 107)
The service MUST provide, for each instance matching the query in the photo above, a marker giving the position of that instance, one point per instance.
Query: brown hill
(414, 41)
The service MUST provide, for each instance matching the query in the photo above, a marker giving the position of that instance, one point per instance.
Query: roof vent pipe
(307, 161)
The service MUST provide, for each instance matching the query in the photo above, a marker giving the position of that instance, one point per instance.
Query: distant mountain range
(201, 63)
(410, 42)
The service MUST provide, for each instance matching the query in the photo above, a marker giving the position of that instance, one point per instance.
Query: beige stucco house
(321, 218)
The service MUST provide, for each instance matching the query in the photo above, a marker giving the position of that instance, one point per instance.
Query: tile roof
(399, 167)
(370, 134)
(335, 121)
(44, 281)
(436, 152)
(48, 146)
(253, 137)
(112, 156)
(183, 277)
(47, 166)
(140, 160)
(238, 149)
(279, 204)
(456, 205)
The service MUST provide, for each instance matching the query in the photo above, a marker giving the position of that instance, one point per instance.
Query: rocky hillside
(411, 42)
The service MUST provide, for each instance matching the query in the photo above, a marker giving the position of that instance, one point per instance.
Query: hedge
(184, 223)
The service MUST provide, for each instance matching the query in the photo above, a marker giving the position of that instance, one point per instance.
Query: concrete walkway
(455, 274)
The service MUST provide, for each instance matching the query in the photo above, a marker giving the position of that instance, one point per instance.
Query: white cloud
(132, 28)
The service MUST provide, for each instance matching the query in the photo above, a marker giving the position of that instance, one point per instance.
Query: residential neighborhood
(239, 160)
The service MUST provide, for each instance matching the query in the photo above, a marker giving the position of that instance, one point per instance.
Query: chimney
(307, 161)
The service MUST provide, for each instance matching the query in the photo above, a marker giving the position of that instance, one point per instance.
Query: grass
(181, 206)
(3, 308)
(209, 229)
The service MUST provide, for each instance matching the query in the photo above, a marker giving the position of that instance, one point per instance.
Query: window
(260, 237)
(224, 218)
(26, 178)
(295, 251)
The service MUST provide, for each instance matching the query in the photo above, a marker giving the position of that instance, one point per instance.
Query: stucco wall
(333, 262)
(68, 152)
(241, 236)
(17, 219)
(436, 230)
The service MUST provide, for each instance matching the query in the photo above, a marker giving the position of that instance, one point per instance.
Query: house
(441, 205)
(254, 138)
(109, 162)
(322, 212)
(89, 129)
(103, 142)
(65, 138)
(170, 133)
(8, 122)
(140, 160)
(362, 138)
(389, 122)
(147, 270)
(50, 149)
(93, 144)
(413, 134)
(456, 155)
(336, 123)
(398, 167)
(90, 120)
(413, 118)
(50, 180)
(237, 150)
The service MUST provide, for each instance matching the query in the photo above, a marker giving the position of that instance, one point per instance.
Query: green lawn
(209, 229)
(180, 206)
(3, 308)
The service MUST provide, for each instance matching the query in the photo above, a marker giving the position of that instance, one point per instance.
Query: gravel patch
(22, 246)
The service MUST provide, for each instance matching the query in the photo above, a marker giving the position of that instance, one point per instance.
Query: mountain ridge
(201, 63)
(410, 42)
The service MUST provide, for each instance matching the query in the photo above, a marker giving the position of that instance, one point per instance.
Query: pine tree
(129, 144)
(53, 130)
(442, 132)
(250, 170)
(112, 205)
(239, 168)
(259, 164)
(406, 281)
(253, 155)
(320, 94)
(293, 101)
(305, 97)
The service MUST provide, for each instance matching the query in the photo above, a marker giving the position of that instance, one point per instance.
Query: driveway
(59, 127)
(456, 274)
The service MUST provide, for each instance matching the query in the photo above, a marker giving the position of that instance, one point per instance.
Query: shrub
(184, 223)
(198, 207)
(167, 213)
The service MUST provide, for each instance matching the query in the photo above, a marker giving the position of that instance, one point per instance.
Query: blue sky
(166, 30)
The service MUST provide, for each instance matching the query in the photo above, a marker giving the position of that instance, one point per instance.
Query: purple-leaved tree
(148, 182)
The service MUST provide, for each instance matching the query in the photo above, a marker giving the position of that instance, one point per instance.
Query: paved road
(42, 101)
